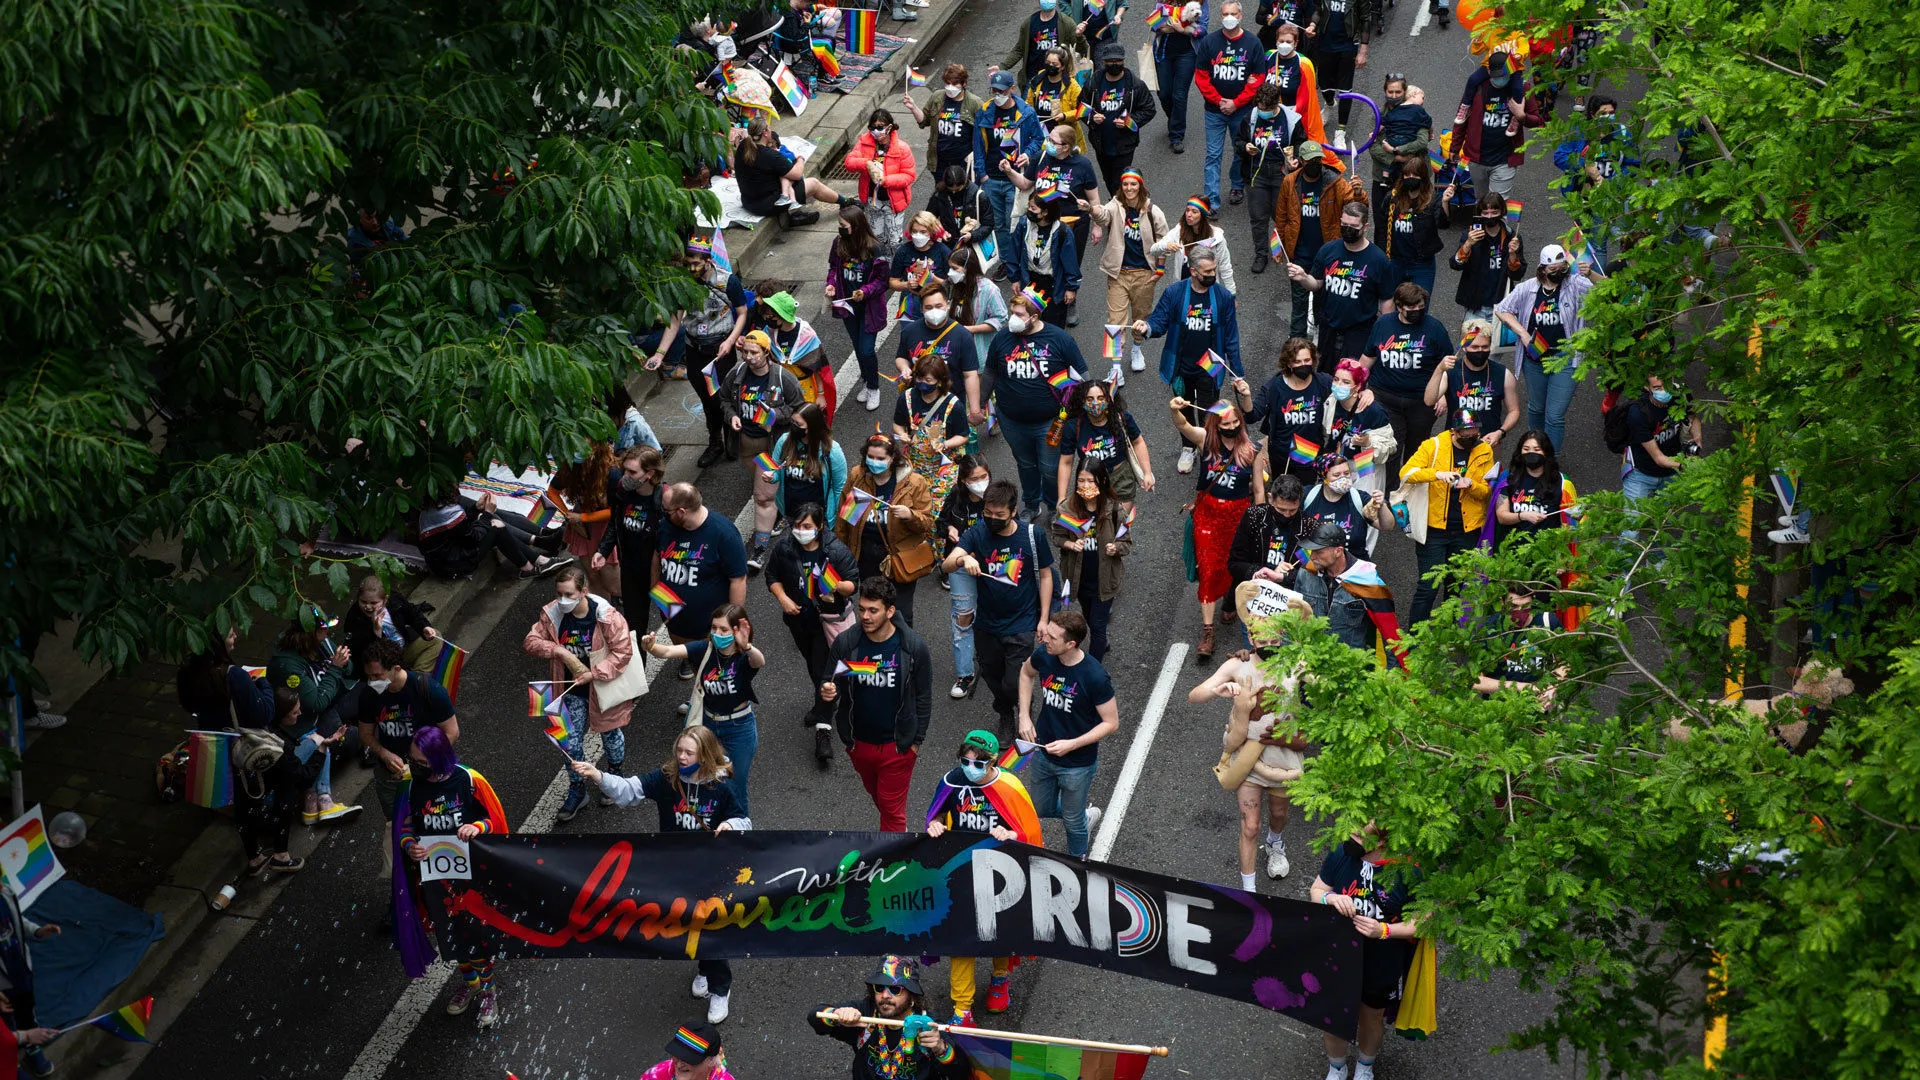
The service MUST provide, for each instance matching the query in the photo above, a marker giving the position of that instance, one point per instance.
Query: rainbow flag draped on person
(1004, 1058)
(1004, 792)
(1362, 581)
(210, 768)
(823, 55)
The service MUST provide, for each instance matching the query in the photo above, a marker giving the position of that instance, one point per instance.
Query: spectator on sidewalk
(633, 534)
(377, 613)
(457, 532)
(948, 118)
(884, 165)
(882, 690)
(266, 804)
(309, 662)
(773, 180)
(572, 628)
(1076, 710)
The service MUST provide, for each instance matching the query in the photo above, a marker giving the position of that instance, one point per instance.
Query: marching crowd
(1285, 476)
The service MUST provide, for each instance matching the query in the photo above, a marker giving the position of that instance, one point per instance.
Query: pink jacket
(897, 165)
(611, 634)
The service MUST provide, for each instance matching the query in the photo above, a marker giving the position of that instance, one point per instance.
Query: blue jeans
(1637, 485)
(1219, 129)
(1418, 271)
(574, 707)
(999, 194)
(1549, 395)
(741, 740)
(1039, 463)
(1099, 613)
(1061, 792)
(965, 600)
(1176, 80)
(863, 346)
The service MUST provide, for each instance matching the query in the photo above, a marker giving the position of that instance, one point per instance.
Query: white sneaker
(1185, 464)
(1336, 1072)
(1778, 536)
(873, 399)
(46, 721)
(1093, 821)
(1139, 361)
(717, 1009)
(1277, 865)
(1787, 521)
(1362, 1071)
(1339, 139)
(700, 986)
(1119, 374)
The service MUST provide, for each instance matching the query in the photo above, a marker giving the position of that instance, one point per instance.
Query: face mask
(1662, 396)
(573, 603)
(1230, 433)
(1301, 371)
(1466, 440)
(879, 466)
(936, 317)
(956, 274)
(879, 135)
(1500, 81)
(1047, 5)
(723, 641)
(1350, 233)
(1088, 496)
(1230, 22)
(921, 240)
(1557, 275)
(954, 91)
(927, 389)
(1476, 358)
(1053, 72)
(630, 482)
(805, 536)
(379, 686)
(1003, 100)
(974, 771)
(1409, 182)
(1311, 170)
(976, 488)
(1001, 526)
(1340, 485)
(1353, 848)
(1096, 408)
(1396, 99)
(1203, 282)
(1342, 391)
(1017, 323)
(1489, 223)
(1412, 315)
(844, 231)
(1057, 150)
(688, 772)
(1116, 70)
(1533, 461)
(1284, 48)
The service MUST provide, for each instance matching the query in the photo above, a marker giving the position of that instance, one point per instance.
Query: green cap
(984, 741)
(782, 305)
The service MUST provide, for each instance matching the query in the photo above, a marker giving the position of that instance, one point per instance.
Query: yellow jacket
(1436, 456)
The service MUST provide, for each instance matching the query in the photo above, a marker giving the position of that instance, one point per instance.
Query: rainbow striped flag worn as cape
(1009, 798)
(1362, 580)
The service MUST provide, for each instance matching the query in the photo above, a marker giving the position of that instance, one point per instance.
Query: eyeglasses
(1395, 76)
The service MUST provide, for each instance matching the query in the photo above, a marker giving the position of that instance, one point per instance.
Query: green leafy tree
(1578, 840)
(195, 337)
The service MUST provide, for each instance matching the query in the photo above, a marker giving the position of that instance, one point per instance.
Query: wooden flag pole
(1019, 1036)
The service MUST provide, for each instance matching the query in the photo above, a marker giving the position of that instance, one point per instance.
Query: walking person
(1200, 321)
(1195, 232)
(856, 289)
(979, 798)
(633, 534)
(1288, 410)
(916, 265)
(1661, 436)
(585, 640)
(1269, 148)
(1361, 515)
(1416, 216)
(1055, 96)
(930, 420)
(759, 397)
(1119, 105)
(937, 334)
(1045, 258)
(883, 163)
(1012, 565)
(1339, 31)
(724, 664)
(960, 206)
(1359, 880)
(1229, 68)
(694, 1053)
(1534, 494)
(1041, 32)
(1354, 423)
(1355, 283)
(1101, 433)
(1489, 130)
(1454, 466)
(887, 1053)
(443, 798)
(1025, 361)
(1095, 533)
(885, 518)
(1491, 258)
(693, 793)
(711, 333)
(811, 466)
(579, 491)
(1228, 483)
(882, 695)
(1175, 55)
(958, 514)
(1402, 352)
(1282, 23)
(796, 346)
(1406, 130)
(701, 565)
(1468, 381)
(1076, 710)
(948, 117)
(976, 304)
(1316, 185)
(1132, 225)
(398, 703)
(1007, 135)
(813, 576)
(1544, 312)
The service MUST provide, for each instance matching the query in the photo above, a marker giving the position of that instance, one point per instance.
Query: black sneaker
(822, 746)
(758, 559)
(1236, 196)
(710, 455)
(1260, 262)
(1178, 146)
(566, 814)
(797, 218)
(686, 671)
(963, 687)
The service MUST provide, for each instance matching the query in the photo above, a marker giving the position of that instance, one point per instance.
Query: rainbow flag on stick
(829, 578)
(915, 79)
(1009, 573)
(1305, 450)
(710, 376)
(858, 505)
(1061, 379)
(1363, 463)
(1160, 13)
(1538, 346)
(447, 667)
(1218, 408)
(210, 768)
(667, 601)
(766, 463)
(1274, 247)
(1514, 208)
(557, 727)
(856, 667)
(1127, 525)
(128, 1022)
(543, 698)
(1016, 755)
(861, 24)
(759, 413)
(1078, 526)
(1006, 1056)
(1215, 367)
(1111, 341)
(823, 54)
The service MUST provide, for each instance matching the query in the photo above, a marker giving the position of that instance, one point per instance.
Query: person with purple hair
(442, 798)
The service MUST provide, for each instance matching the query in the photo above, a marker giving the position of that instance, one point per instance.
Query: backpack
(1613, 421)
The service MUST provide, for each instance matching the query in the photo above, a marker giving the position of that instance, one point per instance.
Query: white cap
(1551, 254)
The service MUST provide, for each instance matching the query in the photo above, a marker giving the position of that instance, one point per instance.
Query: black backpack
(1613, 421)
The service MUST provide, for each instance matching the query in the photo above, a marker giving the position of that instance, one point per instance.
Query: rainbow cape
(1362, 580)
(410, 936)
(1008, 796)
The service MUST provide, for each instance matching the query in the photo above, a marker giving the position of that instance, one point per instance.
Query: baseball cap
(1464, 420)
(1325, 535)
(1002, 80)
(901, 971)
(694, 1044)
(1109, 50)
(982, 740)
(1480, 329)
(1551, 254)
(1311, 151)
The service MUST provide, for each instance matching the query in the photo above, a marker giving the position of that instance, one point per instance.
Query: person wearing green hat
(914, 1051)
(796, 347)
(977, 796)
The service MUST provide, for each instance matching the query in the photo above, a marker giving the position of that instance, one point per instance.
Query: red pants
(885, 772)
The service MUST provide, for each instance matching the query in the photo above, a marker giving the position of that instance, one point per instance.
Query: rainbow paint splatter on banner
(210, 768)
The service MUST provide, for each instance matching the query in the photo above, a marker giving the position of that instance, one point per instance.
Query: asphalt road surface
(314, 991)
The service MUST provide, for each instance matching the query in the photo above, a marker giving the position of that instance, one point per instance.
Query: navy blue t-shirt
(398, 714)
(699, 567)
(726, 681)
(876, 693)
(1008, 609)
(1231, 63)
(1021, 364)
(1406, 354)
(1356, 282)
(953, 129)
(950, 343)
(1106, 445)
(1066, 703)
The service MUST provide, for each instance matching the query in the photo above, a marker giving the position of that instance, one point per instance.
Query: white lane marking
(423, 993)
(1116, 812)
(1421, 17)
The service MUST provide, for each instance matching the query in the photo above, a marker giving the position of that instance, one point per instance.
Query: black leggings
(810, 638)
(699, 354)
(1111, 166)
(1335, 72)
(266, 822)
(636, 581)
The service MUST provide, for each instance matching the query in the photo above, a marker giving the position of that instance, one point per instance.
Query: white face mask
(1003, 100)
(1230, 22)
(1284, 48)
(805, 536)
(379, 686)
(1017, 323)
(976, 488)
(1340, 485)
(956, 274)
(936, 317)
(954, 90)
(921, 240)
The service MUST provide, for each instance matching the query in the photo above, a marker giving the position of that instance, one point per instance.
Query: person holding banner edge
(443, 798)
(1355, 881)
(913, 1051)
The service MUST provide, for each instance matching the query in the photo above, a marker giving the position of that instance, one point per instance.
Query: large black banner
(786, 894)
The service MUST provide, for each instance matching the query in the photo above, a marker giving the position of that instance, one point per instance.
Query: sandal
(292, 866)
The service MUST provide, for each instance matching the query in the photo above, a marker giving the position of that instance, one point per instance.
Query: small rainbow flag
(1215, 367)
(857, 667)
(1060, 379)
(1127, 525)
(1078, 526)
(861, 25)
(766, 463)
(1110, 344)
(1160, 13)
(1095, 7)
(1363, 463)
(1538, 346)
(1219, 408)
(1016, 755)
(1274, 247)
(447, 668)
(760, 414)
(543, 699)
(543, 511)
(210, 768)
(667, 601)
(711, 376)
(1010, 572)
(128, 1023)
(915, 79)
(1514, 208)
(1305, 450)
(858, 505)
(829, 577)
(557, 728)
(823, 54)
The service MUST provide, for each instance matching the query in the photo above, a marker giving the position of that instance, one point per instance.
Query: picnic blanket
(101, 941)
(856, 66)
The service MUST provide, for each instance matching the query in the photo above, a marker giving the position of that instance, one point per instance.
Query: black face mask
(1558, 276)
(1302, 371)
(1412, 315)
(1466, 440)
(1000, 526)
(1354, 848)
(1409, 182)
(1489, 223)
(1351, 233)
(1311, 170)
(1116, 70)
(1202, 282)
(1230, 433)
(1476, 358)
(1533, 461)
